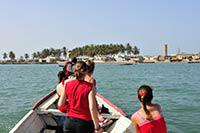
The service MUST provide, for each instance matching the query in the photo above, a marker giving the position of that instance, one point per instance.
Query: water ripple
(176, 88)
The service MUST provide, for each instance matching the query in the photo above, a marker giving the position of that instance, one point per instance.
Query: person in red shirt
(149, 118)
(82, 113)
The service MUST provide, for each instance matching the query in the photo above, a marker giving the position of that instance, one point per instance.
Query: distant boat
(42, 117)
(126, 63)
(193, 61)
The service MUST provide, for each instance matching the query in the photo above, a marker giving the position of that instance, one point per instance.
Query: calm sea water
(176, 89)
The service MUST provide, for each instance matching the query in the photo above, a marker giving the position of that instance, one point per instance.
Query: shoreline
(98, 62)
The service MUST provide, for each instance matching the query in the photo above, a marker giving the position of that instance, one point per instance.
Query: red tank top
(157, 125)
(77, 93)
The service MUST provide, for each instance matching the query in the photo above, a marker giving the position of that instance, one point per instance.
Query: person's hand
(101, 118)
(99, 131)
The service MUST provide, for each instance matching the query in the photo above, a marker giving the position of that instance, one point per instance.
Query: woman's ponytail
(145, 95)
(149, 116)
(80, 69)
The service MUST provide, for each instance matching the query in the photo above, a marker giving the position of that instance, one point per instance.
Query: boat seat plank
(49, 131)
(123, 125)
(109, 116)
(54, 112)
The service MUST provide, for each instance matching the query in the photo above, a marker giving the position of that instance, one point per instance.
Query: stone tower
(165, 50)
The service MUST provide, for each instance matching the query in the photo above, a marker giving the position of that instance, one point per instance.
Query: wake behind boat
(44, 116)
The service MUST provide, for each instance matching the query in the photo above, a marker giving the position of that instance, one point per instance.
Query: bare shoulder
(157, 107)
(59, 89)
(134, 118)
(58, 86)
(92, 80)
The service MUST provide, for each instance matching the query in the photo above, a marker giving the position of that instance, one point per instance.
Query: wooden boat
(126, 64)
(43, 117)
(123, 63)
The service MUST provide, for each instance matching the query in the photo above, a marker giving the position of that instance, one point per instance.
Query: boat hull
(44, 115)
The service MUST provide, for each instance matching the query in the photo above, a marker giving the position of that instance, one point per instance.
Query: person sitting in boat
(59, 89)
(82, 114)
(61, 81)
(68, 68)
(149, 118)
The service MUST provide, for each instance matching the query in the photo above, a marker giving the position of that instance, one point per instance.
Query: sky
(28, 26)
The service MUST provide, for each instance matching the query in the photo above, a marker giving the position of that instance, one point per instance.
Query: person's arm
(135, 125)
(93, 110)
(62, 98)
(59, 89)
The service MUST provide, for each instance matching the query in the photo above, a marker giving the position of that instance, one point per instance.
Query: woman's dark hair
(145, 95)
(90, 64)
(61, 76)
(74, 60)
(80, 69)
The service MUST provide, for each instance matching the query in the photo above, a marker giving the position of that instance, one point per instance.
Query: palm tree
(122, 48)
(128, 48)
(135, 50)
(38, 54)
(11, 55)
(5, 56)
(45, 53)
(58, 53)
(34, 55)
(26, 56)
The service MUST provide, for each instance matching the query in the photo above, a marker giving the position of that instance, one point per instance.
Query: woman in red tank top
(149, 118)
(82, 113)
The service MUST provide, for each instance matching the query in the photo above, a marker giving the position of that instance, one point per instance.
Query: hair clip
(142, 93)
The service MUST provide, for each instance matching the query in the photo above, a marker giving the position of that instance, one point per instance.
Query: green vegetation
(104, 49)
(11, 55)
(5, 56)
(26, 56)
(47, 52)
(87, 50)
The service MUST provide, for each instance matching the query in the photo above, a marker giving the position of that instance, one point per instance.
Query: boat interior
(46, 118)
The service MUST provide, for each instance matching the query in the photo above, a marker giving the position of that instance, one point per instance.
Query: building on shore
(49, 59)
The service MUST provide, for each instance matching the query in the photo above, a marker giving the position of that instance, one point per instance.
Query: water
(176, 89)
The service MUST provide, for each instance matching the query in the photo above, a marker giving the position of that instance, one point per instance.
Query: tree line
(104, 49)
(39, 54)
(87, 50)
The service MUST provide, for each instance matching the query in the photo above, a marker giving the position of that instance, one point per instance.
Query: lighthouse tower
(165, 50)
